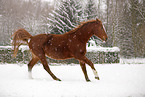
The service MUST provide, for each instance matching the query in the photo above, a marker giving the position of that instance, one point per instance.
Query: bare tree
(16, 14)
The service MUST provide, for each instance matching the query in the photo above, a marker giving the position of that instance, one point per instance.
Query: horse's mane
(81, 25)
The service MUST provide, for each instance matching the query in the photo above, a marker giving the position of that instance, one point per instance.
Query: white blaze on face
(29, 40)
(104, 28)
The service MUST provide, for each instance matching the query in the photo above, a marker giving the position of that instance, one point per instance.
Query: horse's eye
(101, 28)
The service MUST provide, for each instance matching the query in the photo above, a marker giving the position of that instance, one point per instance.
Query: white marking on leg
(95, 73)
(30, 75)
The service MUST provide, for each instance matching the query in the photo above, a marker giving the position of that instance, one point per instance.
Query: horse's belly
(57, 53)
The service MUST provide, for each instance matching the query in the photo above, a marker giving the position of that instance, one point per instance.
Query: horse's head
(99, 31)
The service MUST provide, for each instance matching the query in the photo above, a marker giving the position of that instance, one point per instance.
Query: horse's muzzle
(104, 39)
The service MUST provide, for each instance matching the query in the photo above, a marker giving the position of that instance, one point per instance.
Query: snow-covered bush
(6, 55)
(98, 54)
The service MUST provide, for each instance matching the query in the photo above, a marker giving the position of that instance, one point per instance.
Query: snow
(103, 49)
(94, 48)
(132, 61)
(116, 80)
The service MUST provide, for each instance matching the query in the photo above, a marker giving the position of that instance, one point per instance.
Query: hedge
(97, 56)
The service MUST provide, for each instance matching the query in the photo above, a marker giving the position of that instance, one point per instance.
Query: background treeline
(124, 20)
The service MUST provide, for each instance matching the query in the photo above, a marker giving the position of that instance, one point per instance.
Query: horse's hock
(98, 55)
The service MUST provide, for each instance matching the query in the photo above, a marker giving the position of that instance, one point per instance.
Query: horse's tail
(20, 37)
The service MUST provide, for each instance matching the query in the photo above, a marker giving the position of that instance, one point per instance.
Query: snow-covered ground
(116, 80)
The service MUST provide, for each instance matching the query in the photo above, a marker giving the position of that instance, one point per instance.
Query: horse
(71, 44)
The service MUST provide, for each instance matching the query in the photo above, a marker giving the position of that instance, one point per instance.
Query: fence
(97, 55)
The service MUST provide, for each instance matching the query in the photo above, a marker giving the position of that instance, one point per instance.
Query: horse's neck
(84, 34)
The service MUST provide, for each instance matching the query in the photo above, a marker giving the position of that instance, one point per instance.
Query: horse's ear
(97, 20)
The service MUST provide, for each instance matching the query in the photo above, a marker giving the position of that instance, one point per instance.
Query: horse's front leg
(46, 67)
(41, 55)
(83, 66)
(87, 61)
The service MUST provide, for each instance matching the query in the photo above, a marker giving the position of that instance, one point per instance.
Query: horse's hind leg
(46, 67)
(41, 55)
(83, 66)
(33, 61)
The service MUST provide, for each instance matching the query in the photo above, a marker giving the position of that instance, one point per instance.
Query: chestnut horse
(69, 45)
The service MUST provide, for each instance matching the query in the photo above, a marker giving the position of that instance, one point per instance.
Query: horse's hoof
(88, 80)
(97, 78)
(58, 80)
